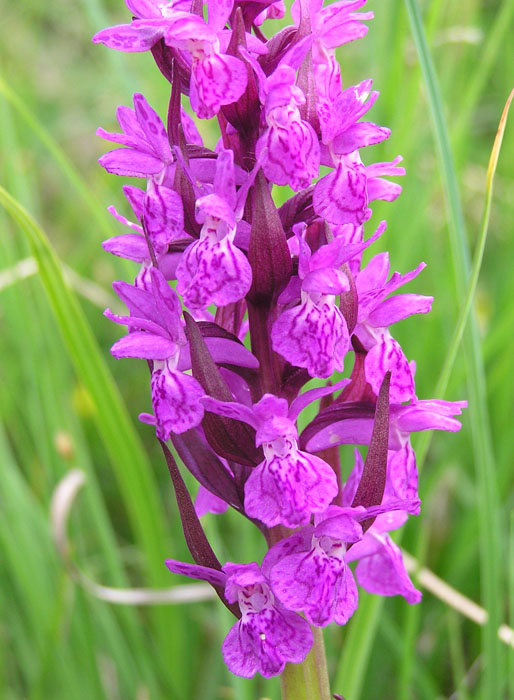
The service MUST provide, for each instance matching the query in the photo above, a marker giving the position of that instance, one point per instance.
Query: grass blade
(114, 425)
(488, 505)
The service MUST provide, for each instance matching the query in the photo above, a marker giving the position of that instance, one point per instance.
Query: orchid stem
(308, 680)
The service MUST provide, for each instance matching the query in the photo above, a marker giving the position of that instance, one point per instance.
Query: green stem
(308, 680)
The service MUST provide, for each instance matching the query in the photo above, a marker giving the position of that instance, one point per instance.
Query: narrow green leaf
(131, 467)
(488, 504)
(59, 156)
(114, 425)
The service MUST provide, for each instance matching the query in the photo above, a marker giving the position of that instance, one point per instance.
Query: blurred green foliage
(59, 642)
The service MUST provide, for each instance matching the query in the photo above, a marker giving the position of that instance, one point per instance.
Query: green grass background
(444, 71)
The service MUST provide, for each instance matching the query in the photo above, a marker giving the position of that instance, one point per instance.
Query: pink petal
(176, 402)
(141, 35)
(384, 572)
(289, 154)
(314, 336)
(287, 490)
(145, 346)
(398, 308)
(217, 80)
(340, 197)
(129, 245)
(213, 273)
(153, 128)
(264, 641)
(358, 136)
(127, 161)
(388, 356)
(164, 216)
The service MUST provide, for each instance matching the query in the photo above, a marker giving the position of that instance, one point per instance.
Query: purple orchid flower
(380, 567)
(157, 335)
(276, 10)
(208, 219)
(330, 27)
(341, 131)
(288, 149)
(289, 485)
(342, 196)
(148, 152)
(353, 424)
(334, 25)
(375, 313)
(216, 78)
(207, 502)
(314, 334)
(213, 270)
(267, 636)
(162, 212)
(308, 571)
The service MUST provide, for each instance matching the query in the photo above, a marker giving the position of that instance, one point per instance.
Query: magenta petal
(133, 138)
(134, 323)
(346, 598)
(136, 197)
(123, 220)
(207, 502)
(127, 161)
(349, 31)
(340, 525)
(153, 128)
(223, 351)
(398, 308)
(191, 133)
(430, 415)
(130, 126)
(213, 273)
(359, 135)
(264, 641)
(307, 397)
(374, 275)
(144, 8)
(288, 489)
(217, 207)
(231, 409)
(383, 189)
(129, 245)
(224, 179)
(168, 305)
(352, 483)
(326, 281)
(140, 302)
(306, 582)
(314, 336)
(145, 346)
(229, 352)
(340, 197)
(289, 154)
(384, 572)
(388, 356)
(347, 107)
(164, 216)
(138, 36)
(204, 573)
(402, 472)
(218, 80)
(176, 402)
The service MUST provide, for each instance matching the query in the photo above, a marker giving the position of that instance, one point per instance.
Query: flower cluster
(290, 280)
